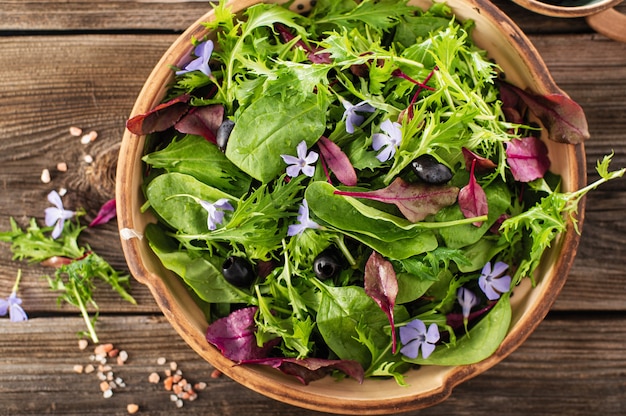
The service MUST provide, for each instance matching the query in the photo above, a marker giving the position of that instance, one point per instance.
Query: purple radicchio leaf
(313, 54)
(482, 163)
(415, 201)
(563, 118)
(202, 121)
(311, 369)
(472, 199)
(381, 285)
(107, 212)
(234, 336)
(337, 161)
(160, 118)
(527, 158)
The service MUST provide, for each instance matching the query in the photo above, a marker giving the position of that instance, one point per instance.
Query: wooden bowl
(429, 385)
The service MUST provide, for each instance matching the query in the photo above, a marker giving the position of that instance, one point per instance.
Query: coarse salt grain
(107, 394)
(93, 135)
(78, 368)
(76, 131)
(45, 176)
(82, 344)
(88, 159)
(179, 403)
(132, 408)
(160, 360)
(89, 369)
(122, 357)
(62, 192)
(62, 167)
(103, 349)
(154, 378)
(173, 365)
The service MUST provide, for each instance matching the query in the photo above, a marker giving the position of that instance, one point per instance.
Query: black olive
(430, 170)
(238, 271)
(223, 133)
(327, 265)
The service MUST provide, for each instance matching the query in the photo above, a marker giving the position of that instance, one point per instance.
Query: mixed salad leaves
(355, 190)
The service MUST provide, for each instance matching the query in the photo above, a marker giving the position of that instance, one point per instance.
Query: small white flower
(56, 215)
(303, 162)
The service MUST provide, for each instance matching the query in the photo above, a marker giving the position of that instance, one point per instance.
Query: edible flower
(350, 115)
(467, 299)
(304, 221)
(303, 162)
(56, 215)
(215, 211)
(414, 336)
(203, 52)
(390, 140)
(492, 282)
(12, 305)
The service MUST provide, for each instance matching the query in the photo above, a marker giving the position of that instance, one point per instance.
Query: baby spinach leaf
(481, 342)
(166, 196)
(266, 129)
(201, 274)
(411, 287)
(341, 310)
(192, 155)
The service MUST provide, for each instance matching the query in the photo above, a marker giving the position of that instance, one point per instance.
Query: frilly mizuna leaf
(527, 158)
(202, 121)
(160, 118)
(234, 336)
(337, 161)
(563, 118)
(381, 285)
(415, 201)
(311, 369)
(472, 199)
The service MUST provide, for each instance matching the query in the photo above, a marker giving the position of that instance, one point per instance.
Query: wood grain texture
(545, 373)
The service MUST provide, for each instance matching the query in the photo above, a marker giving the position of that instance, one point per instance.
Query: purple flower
(301, 163)
(414, 336)
(467, 299)
(304, 221)
(350, 115)
(56, 215)
(492, 282)
(390, 140)
(203, 52)
(215, 211)
(12, 305)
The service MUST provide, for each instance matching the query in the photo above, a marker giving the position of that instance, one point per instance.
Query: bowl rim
(553, 10)
(255, 378)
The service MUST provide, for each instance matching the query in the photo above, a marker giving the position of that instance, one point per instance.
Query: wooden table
(82, 63)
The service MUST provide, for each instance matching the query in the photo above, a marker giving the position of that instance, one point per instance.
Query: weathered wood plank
(177, 15)
(565, 367)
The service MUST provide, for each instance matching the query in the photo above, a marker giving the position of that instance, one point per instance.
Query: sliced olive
(223, 133)
(238, 271)
(430, 170)
(327, 265)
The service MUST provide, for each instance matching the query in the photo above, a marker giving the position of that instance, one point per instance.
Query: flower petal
(427, 349)
(58, 229)
(499, 268)
(55, 199)
(17, 314)
(52, 215)
(410, 349)
(502, 284)
(4, 307)
(432, 335)
(293, 170)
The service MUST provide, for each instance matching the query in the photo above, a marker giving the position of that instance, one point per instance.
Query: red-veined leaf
(311, 369)
(415, 201)
(234, 336)
(563, 118)
(381, 285)
(482, 163)
(472, 199)
(106, 213)
(202, 121)
(160, 118)
(527, 158)
(337, 161)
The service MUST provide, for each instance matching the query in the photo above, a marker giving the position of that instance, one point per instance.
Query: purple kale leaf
(337, 161)
(160, 118)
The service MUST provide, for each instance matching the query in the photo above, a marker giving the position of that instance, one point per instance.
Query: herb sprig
(77, 266)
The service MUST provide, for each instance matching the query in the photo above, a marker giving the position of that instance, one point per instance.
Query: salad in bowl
(384, 193)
